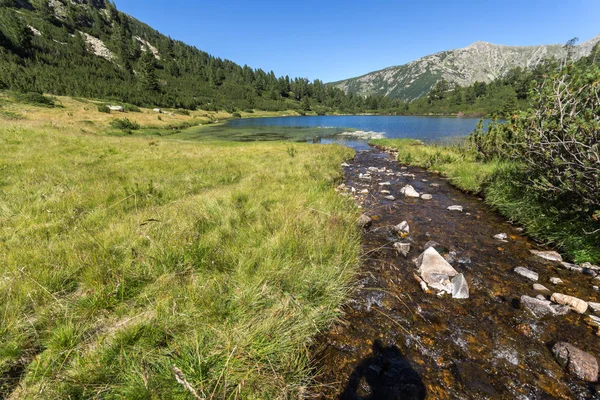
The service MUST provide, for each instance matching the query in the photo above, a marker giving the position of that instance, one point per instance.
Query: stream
(395, 341)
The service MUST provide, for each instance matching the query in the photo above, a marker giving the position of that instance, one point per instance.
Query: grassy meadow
(144, 267)
(501, 184)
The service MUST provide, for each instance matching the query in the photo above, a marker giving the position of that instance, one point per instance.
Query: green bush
(131, 108)
(236, 115)
(124, 124)
(103, 108)
(182, 112)
(37, 99)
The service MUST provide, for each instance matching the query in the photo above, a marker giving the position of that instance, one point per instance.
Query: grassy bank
(124, 257)
(498, 183)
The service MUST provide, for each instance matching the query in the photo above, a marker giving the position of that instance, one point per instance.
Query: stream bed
(397, 342)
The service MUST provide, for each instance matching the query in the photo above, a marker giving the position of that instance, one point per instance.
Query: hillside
(479, 62)
(90, 49)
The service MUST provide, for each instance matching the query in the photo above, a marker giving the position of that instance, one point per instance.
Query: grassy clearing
(505, 188)
(121, 257)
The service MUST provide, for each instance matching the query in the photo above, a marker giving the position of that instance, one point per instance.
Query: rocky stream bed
(463, 321)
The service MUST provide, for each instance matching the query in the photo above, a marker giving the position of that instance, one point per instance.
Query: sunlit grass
(122, 257)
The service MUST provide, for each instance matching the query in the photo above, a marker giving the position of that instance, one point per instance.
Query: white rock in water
(501, 236)
(426, 196)
(384, 184)
(540, 288)
(402, 248)
(435, 185)
(385, 192)
(460, 288)
(365, 177)
(572, 267)
(576, 304)
(391, 198)
(455, 208)
(373, 169)
(527, 273)
(364, 191)
(402, 228)
(548, 255)
(542, 307)
(409, 191)
(556, 281)
(436, 271)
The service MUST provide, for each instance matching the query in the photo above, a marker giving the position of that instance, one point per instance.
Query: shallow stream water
(397, 342)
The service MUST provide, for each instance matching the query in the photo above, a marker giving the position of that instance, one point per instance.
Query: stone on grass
(548, 255)
(402, 248)
(436, 271)
(527, 273)
(409, 191)
(455, 208)
(579, 363)
(576, 304)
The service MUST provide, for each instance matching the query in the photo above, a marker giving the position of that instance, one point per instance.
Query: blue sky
(336, 39)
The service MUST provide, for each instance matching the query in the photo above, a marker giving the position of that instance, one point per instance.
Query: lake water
(429, 129)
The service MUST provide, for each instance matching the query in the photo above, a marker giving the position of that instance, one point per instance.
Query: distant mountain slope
(479, 62)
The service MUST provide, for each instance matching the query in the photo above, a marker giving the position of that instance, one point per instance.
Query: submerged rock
(436, 271)
(547, 255)
(402, 229)
(402, 248)
(576, 304)
(460, 288)
(542, 307)
(426, 197)
(595, 307)
(556, 281)
(409, 191)
(455, 208)
(579, 363)
(501, 236)
(527, 273)
(572, 267)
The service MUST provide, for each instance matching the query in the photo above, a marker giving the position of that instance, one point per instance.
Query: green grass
(505, 187)
(121, 257)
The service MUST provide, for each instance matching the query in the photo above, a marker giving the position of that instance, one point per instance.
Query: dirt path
(398, 342)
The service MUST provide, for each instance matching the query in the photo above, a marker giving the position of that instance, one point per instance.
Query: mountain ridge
(480, 61)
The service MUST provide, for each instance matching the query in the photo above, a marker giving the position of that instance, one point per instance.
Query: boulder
(402, 248)
(435, 271)
(547, 255)
(576, 304)
(527, 273)
(409, 191)
(116, 108)
(542, 307)
(426, 197)
(455, 208)
(579, 363)
(460, 288)
(158, 110)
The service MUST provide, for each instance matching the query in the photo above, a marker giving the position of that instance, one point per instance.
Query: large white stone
(576, 304)
(435, 271)
(409, 191)
(548, 255)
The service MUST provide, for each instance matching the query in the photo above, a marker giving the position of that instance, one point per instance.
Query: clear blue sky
(336, 39)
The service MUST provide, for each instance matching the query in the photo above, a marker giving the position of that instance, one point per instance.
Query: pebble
(540, 288)
(577, 305)
(579, 363)
(391, 198)
(384, 184)
(501, 236)
(455, 208)
(426, 196)
(527, 273)
(435, 185)
(364, 191)
(385, 192)
(344, 165)
(556, 281)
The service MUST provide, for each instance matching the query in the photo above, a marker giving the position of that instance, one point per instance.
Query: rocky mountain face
(479, 62)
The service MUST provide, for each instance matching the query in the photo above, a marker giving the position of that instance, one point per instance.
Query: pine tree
(148, 78)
